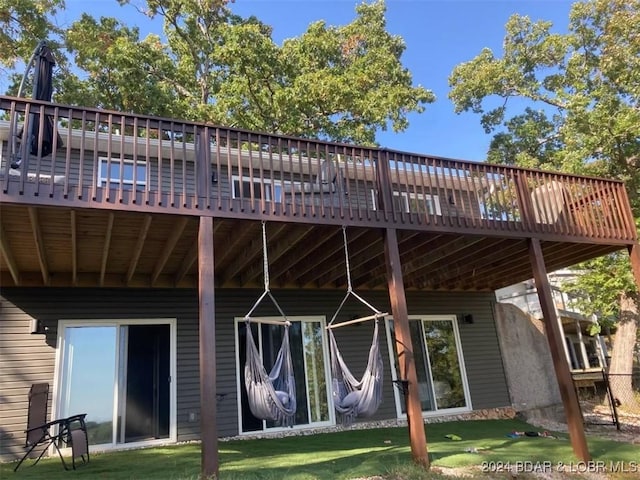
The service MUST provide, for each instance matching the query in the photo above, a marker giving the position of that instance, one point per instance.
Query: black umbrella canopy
(43, 73)
(43, 62)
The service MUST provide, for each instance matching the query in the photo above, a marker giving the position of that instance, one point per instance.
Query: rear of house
(132, 253)
(129, 358)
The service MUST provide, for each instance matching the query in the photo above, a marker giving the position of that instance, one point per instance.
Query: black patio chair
(70, 432)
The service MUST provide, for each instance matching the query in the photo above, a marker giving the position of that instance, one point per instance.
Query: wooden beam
(555, 338)
(168, 247)
(106, 247)
(634, 254)
(9, 258)
(281, 247)
(357, 320)
(207, 341)
(187, 262)
(137, 251)
(39, 241)
(190, 258)
(404, 347)
(74, 248)
(296, 252)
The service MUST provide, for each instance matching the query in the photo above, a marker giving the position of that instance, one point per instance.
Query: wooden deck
(117, 202)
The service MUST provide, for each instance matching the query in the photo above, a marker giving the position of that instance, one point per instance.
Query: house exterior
(585, 349)
(132, 253)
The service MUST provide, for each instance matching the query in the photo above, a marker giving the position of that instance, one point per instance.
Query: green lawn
(342, 455)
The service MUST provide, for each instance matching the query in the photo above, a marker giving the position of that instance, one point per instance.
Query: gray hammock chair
(272, 395)
(352, 397)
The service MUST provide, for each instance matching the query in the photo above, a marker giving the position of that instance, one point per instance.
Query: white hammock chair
(271, 396)
(351, 397)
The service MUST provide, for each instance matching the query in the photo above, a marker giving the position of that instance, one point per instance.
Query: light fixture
(36, 327)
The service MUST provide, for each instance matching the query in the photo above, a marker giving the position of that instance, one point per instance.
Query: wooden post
(406, 363)
(384, 185)
(634, 254)
(207, 334)
(555, 338)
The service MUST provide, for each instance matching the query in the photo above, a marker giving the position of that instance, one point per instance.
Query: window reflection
(89, 377)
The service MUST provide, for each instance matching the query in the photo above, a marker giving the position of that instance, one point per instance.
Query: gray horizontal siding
(28, 359)
(176, 176)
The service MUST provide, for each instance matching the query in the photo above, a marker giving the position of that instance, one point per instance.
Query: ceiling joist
(39, 241)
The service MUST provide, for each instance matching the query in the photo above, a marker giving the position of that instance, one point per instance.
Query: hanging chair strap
(376, 313)
(267, 291)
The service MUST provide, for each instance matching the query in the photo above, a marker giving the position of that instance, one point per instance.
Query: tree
(118, 71)
(337, 83)
(582, 91)
(23, 23)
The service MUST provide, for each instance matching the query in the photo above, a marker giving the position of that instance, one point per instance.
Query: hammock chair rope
(267, 291)
(351, 397)
(376, 313)
(272, 395)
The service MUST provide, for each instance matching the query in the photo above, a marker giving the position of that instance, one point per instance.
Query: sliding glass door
(118, 373)
(309, 355)
(442, 382)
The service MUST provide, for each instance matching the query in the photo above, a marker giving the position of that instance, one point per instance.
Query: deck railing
(76, 155)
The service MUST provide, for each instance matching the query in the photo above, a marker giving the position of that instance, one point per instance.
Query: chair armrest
(46, 426)
(63, 423)
(76, 418)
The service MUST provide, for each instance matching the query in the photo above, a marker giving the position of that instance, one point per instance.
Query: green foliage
(23, 23)
(585, 83)
(338, 83)
(601, 283)
(594, 329)
(119, 71)
(581, 92)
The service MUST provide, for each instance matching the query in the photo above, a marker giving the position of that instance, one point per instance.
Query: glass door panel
(119, 375)
(307, 345)
(313, 339)
(88, 379)
(421, 364)
(439, 336)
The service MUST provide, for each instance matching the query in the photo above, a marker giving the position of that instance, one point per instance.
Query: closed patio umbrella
(43, 62)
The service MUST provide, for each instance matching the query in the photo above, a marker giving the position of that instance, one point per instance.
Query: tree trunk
(621, 366)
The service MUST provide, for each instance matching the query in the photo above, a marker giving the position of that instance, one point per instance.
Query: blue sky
(439, 34)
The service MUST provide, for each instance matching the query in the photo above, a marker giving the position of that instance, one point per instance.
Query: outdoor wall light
(214, 178)
(37, 328)
(465, 318)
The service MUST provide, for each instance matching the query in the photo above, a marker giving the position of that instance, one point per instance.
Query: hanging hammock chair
(272, 395)
(351, 397)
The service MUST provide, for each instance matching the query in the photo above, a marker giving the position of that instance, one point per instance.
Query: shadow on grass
(341, 455)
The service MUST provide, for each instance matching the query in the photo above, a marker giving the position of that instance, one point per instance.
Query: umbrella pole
(13, 127)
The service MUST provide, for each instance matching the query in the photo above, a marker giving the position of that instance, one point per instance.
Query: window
(309, 353)
(119, 373)
(266, 189)
(592, 353)
(124, 174)
(442, 380)
(412, 202)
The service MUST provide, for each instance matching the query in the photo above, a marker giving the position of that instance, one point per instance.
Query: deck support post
(404, 347)
(634, 254)
(207, 342)
(556, 339)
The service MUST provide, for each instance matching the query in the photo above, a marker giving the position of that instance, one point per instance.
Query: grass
(341, 455)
